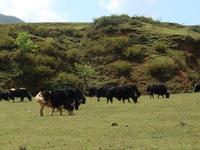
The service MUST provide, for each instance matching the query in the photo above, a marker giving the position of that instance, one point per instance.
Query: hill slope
(9, 19)
(123, 49)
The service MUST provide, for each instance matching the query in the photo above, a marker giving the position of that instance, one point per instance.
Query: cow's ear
(49, 92)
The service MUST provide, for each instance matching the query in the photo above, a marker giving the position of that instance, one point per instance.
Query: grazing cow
(122, 92)
(59, 99)
(134, 87)
(98, 92)
(197, 87)
(77, 96)
(55, 99)
(159, 89)
(4, 96)
(21, 92)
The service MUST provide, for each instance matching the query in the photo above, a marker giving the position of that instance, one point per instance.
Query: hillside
(9, 19)
(123, 49)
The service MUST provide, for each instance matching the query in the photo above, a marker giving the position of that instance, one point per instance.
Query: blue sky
(180, 11)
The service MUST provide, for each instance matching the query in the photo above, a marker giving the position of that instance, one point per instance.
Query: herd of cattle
(71, 98)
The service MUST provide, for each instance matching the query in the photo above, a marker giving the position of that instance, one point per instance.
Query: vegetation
(85, 71)
(150, 124)
(116, 47)
(162, 68)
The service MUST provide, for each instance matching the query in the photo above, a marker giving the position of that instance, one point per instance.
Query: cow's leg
(128, 100)
(108, 100)
(52, 111)
(158, 96)
(60, 108)
(22, 99)
(123, 100)
(111, 100)
(41, 109)
(98, 99)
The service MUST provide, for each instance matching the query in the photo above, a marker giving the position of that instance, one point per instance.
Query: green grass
(150, 124)
(169, 30)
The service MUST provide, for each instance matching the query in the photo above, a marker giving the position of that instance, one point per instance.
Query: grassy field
(150, 124)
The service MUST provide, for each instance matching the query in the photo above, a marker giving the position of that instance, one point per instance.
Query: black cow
(68, 99)
(77, 96)
(4, 96)
(159, 89)
(122, 92)
(197, 87)
(21, 92)
(98, 91)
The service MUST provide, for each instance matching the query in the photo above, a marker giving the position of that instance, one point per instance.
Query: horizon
(61, 11)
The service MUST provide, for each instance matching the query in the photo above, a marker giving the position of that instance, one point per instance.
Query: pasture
(150, 124)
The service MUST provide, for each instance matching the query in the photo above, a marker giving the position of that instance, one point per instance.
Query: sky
(178, 11)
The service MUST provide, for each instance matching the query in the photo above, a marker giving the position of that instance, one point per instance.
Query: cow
(77, 96)
(21, 92)
(4, 96)
(122, 92)
(98, 91)
(68, 99)
(159, 89)
(197, 87)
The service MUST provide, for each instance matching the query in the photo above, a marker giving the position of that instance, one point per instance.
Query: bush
(179, 58)
(73, 55)
(135, 52)
(110, 30)
(193, 75)
(36, 73)
(110, 20)
(7, 43)
(114, 45)
(39, 59)
(138, 39)
(136, 23)
(5, 57)
(160, 47)
(121, 68)
(162, 68)
(63, 79)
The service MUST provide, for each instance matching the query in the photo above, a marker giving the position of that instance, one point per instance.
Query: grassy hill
(123, 49)
(9, 19)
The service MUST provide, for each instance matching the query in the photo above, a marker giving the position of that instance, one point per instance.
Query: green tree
(24, 42)
(85, 71)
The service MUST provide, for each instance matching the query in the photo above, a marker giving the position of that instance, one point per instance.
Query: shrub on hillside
(36, 73)
(5, 57)
(179, 58)
(138, 39)
(110, 20)
(114, 45)
(160, 47)
(7, 43)
(162, 68)
(136, 22)
(110, 30)
(135, 52)
(40, 59)
(73, 55)
(121, 68)
(64, 79)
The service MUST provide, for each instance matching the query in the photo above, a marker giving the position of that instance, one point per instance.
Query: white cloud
(31, 10)
(131, 7)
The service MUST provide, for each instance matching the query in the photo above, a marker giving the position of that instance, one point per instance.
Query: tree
(85, 71)
(24, 43)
